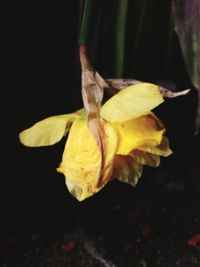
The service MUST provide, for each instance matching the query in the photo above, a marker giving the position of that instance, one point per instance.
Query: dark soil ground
(157, 224)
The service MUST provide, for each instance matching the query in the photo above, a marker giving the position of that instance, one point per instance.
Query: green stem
(120, 37)
(140, 29)
(87, 21)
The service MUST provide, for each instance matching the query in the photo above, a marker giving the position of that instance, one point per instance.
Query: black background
(41, 77)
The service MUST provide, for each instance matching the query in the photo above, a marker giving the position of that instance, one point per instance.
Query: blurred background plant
(153, 41)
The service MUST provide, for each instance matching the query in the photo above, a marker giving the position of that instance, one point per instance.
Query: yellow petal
(162, 149)
(132, 102)
(143, 131)
(80, 111)
(127, 170)
(48, 131)
(145, 158)
(81, 160)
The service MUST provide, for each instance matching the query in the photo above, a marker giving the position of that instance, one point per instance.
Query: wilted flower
(134, 137)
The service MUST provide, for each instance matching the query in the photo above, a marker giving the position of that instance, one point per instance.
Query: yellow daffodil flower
(134, 137)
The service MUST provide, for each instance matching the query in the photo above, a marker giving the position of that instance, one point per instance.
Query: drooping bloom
(134, 137)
